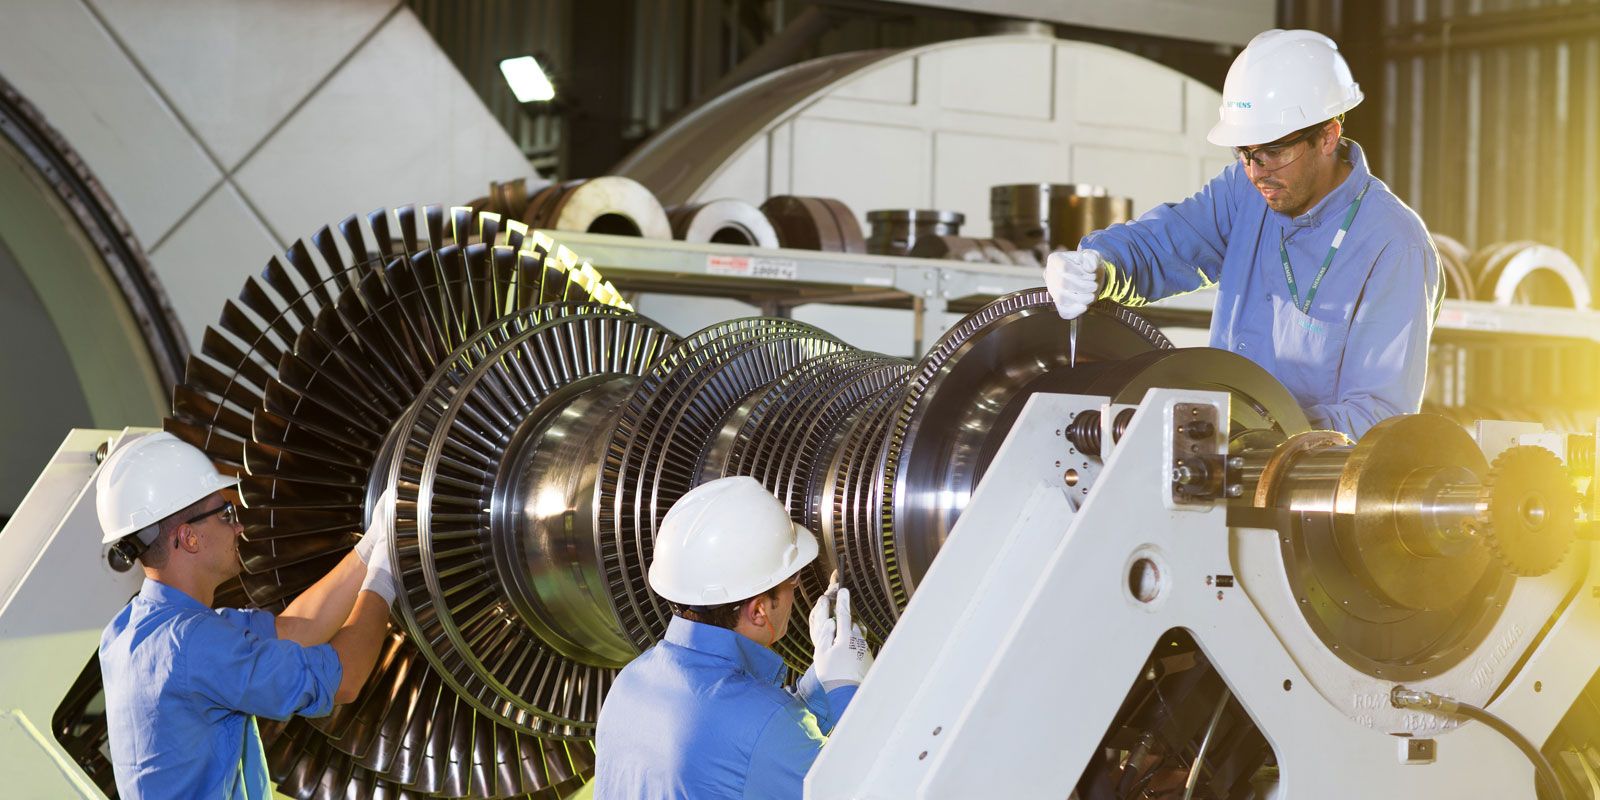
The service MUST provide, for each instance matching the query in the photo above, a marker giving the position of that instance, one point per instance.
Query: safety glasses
(228, 513)
(1275, 155)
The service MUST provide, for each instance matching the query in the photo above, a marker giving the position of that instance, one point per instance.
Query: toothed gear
(1531, 517)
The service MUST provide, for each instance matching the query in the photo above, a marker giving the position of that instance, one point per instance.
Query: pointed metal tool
(1072, 343)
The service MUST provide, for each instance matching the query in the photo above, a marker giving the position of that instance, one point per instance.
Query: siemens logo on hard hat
(1236, 103)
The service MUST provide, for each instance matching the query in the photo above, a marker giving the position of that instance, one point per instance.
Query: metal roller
(725, 221)
(895, 231)
(814, 223)
(1045, 217)
(608, 204)
(1529, 273)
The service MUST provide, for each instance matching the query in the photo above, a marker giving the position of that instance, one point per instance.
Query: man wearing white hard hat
(1325, 278)
(704, 714)
(184, 682)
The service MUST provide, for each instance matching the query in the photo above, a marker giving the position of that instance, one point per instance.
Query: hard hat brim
(216, 484)
(806, 552)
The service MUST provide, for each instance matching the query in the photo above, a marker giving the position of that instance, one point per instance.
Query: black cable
(1541, 766)
(1543, 773)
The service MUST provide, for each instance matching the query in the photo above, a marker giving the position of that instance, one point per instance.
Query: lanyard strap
(1338, 239)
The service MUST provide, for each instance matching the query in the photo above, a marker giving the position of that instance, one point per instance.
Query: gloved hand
(822, 611)
(841, 654)
(1073, 279)
(379, 527)
(380, 578)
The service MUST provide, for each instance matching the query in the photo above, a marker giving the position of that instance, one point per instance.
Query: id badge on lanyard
(1338, 239)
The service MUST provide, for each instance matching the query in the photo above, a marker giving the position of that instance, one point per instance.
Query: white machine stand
(57, 592)
(1008, 665)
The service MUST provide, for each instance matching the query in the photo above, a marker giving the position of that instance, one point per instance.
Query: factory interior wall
(937, 126)
(304, 113)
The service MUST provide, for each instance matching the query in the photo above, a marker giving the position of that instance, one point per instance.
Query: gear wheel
(1531, 519)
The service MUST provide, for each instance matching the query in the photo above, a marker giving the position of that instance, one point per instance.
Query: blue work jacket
(1361, 354)
(184, 684)
(704, 715)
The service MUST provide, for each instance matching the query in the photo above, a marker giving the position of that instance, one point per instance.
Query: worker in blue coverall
(184, 682)
(704, 714)
(1325, 278)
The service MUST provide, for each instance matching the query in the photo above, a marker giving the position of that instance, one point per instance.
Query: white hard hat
(727, 540)
(1283, 81)
(149, 479)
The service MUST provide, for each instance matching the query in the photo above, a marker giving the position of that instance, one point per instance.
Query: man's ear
(188, 538)
(758, 611)
(1331, 143)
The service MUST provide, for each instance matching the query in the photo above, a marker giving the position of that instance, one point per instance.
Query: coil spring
(1119, 425)
(1084, 432)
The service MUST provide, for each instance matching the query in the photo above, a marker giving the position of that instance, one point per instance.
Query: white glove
(1073, 279)
(380, 578)
(842, 656)
(822, 614)
(379, 530)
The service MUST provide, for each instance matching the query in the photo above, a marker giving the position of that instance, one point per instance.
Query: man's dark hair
(723, 616)
(156, 555)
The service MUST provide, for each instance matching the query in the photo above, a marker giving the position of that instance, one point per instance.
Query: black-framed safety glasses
(1275, 155)
(230, 515)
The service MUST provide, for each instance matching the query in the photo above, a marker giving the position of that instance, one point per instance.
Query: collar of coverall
(747, 654)
(161, 594)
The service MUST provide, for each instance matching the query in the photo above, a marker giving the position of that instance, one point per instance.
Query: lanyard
(1338, 239)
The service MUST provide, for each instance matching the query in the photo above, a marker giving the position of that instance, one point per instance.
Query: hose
(1205, 744)
(1402, 697)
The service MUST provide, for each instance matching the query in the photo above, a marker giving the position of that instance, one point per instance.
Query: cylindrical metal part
(1311, 484)
(724, 221)
(545, 495)
(1437, 509)
(894, 231)
(1053, 216)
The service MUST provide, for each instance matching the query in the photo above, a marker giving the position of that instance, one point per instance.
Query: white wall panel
(1010, 78)
(965, 166)
(743, 177)
(876, 166)
(235, 68)
(894, 83)
(780, 162)
(1148, 178)
(62, 60)
(205, 261)
(1120, 90)
(397, 124)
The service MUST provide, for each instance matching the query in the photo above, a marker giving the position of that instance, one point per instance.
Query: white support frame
(1010, 661)
(57, 592)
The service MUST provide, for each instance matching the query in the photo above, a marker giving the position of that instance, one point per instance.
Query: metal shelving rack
(778, 280)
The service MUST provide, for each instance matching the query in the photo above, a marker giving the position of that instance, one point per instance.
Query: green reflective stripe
(1338, 239)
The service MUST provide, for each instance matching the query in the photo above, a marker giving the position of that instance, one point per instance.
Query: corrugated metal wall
(1489, 112)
